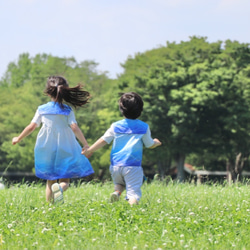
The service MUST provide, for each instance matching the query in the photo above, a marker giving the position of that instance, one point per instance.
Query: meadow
(169, 216)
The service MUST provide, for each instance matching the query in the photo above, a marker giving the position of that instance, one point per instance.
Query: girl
(57, 152)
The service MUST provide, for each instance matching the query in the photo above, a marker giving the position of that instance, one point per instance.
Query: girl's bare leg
(64, 183)
(49, 194)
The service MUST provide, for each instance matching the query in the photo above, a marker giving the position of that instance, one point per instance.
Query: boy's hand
(156, 143)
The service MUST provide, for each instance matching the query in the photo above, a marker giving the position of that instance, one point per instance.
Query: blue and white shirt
(128, 138)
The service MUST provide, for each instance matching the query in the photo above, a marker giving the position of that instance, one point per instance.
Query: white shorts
(130, 177)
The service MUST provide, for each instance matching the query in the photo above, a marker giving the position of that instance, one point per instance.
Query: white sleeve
(37, 119)
(147, 139)
(71, 118)
(109, 135)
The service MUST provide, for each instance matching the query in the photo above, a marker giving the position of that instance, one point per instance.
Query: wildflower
(9, 225)
(191, 213)
(182, 235)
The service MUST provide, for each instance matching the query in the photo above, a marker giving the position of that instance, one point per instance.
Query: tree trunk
(180, 160)
(163, 167)
(235, 167)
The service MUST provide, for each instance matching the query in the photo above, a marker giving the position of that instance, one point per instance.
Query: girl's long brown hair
(58, 88)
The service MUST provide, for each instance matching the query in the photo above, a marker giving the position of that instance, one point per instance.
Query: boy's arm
(156, 143)
(97, 145)
(28, 130)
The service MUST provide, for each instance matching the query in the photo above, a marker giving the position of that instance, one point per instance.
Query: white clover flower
(93, 240)
(237, 222)
(9, 226)
(191, 213)
(182, 235)
(60, 224)
(140, 232)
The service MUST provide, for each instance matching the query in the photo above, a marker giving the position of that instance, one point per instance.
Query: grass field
(173, 216)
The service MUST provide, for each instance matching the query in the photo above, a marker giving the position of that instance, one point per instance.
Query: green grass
(173, 216)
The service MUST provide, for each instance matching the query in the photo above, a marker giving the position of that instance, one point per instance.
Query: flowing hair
(58, 88)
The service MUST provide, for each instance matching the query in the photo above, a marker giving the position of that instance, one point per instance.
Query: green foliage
(196, 96)
(196, 101)
(22, 92)
(168, 217)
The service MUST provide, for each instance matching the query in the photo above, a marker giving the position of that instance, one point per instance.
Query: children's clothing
(57, 151)
(128, 136)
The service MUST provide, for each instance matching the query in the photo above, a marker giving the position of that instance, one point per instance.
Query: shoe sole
(114, 197)
(58, 195)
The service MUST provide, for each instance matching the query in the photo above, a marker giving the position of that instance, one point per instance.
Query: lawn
(169, 216)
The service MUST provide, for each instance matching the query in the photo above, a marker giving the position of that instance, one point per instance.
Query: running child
(128, 136)
(57, 151)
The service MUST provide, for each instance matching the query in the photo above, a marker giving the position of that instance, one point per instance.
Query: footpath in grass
(173, 216)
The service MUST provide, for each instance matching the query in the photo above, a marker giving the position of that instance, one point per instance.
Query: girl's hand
(15, 140)
(85, 151)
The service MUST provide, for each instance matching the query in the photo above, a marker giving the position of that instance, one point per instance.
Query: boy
(128, 136)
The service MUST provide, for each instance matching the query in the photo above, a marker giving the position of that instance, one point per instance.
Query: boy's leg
(118, 182)
(133, 177)
(49, 196)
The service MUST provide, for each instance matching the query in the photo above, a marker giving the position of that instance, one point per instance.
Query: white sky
(108, 31)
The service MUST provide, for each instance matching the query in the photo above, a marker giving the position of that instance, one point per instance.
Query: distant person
(57, 151)
(128, 136)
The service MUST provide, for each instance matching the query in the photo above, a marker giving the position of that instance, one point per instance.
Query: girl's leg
(49, 196)
(64, 183)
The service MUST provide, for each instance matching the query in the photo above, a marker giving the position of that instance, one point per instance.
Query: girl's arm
(28, 130)
(97, 145)
(79, 135)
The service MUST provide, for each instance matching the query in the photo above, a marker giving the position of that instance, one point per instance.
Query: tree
(192, 94)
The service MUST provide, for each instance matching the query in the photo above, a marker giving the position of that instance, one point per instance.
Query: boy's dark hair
(58, 88)
(131, 105)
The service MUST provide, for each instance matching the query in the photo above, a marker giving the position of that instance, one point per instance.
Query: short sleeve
(37, 118)
(147, 139)
(71, 118)
(109, 135)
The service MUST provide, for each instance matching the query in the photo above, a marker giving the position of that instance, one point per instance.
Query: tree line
(196, 100)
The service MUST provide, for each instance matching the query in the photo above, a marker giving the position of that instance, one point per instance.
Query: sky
(109, 31)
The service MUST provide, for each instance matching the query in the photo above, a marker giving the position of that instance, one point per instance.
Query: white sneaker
(58, 193)
(115, 196)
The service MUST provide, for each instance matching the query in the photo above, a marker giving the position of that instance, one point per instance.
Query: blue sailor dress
(57, 151)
